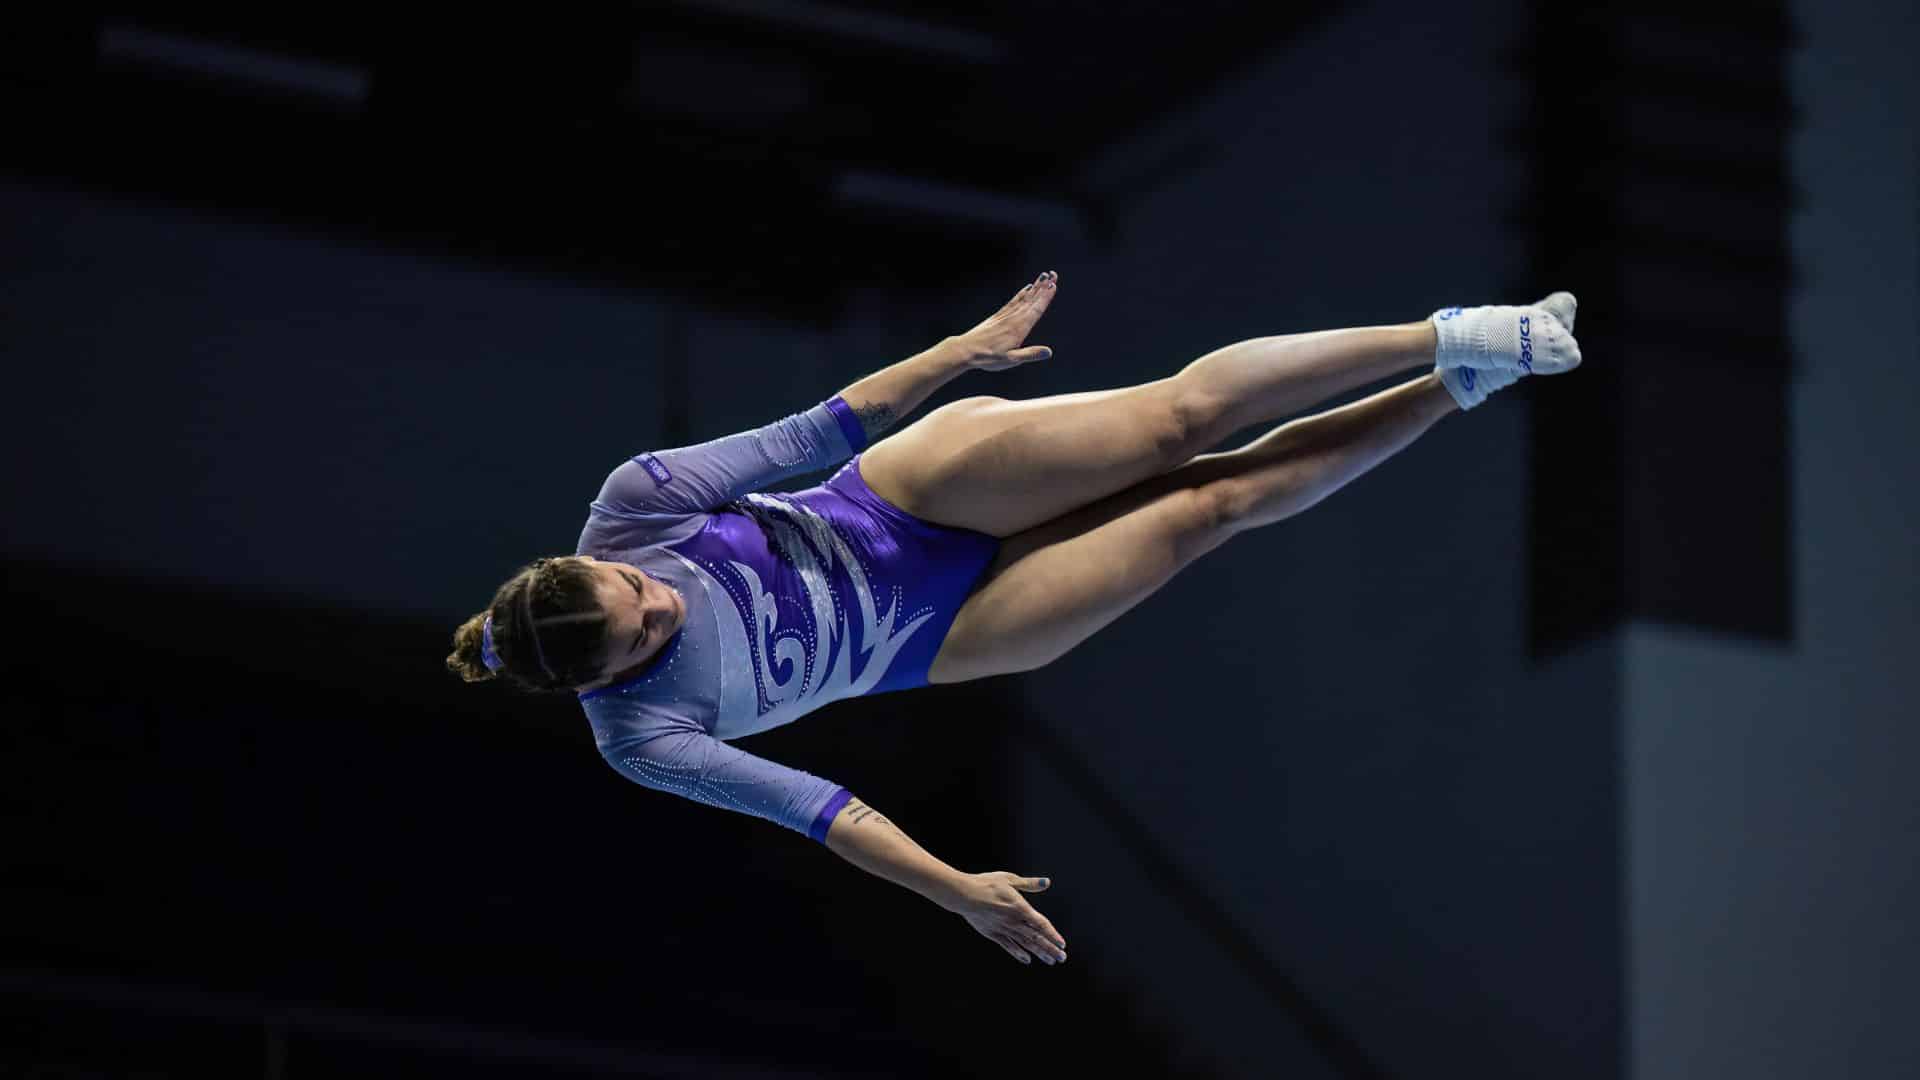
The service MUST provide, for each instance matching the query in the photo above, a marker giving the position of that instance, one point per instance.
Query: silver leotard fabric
(793, 600)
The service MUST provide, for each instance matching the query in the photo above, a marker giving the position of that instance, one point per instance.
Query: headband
(491, 657)
(487, 654)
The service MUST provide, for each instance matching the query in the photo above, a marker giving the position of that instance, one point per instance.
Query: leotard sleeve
(675, 755)
(666, 484)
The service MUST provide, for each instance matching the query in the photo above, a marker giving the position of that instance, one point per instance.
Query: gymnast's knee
(971, 402)
(1199, 419)
(1215, 508)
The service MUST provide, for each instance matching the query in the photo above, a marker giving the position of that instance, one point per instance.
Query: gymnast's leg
(1052, 586)
(1000, 466)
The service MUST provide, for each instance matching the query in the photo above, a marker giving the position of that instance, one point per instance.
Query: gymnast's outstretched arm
(991, 902)
(882, 398)
(996, 343)
(664, 487)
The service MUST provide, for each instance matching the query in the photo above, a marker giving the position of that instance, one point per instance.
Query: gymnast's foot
(1484, 349)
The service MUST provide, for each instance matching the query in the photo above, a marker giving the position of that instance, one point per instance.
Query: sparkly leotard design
(793, 600)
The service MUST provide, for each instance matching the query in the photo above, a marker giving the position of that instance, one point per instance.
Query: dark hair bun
(466, 660)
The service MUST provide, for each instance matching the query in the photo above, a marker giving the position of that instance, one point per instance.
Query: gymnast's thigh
(1052, 586)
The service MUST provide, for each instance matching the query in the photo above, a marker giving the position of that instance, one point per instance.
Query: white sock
(1536, 339)
(1470, 387)
(1484, 349)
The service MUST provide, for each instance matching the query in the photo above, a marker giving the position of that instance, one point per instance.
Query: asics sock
(1561, 305)
(1532, 340)
(1470, 387)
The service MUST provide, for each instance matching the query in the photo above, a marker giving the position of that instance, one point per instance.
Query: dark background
(1577, 741)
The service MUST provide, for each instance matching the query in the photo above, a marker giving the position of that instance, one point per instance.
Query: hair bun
(465, 660)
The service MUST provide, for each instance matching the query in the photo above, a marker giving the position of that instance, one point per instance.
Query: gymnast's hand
(991, 903)
(995, 345)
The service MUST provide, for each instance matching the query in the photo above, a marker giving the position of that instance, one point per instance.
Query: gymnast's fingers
(1042, 925)
(1023, 297)
(1013, 950)
(1016, 300)
(1040, 294)
(1035, 941)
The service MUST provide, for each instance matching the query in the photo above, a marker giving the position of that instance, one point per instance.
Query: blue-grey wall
(1331, 724)
(223, 401)
(1773, 793)
(230, 402)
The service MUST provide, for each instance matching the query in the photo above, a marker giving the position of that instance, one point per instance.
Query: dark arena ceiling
(705, 147)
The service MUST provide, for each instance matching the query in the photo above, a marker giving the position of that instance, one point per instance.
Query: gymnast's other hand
(991, 903)
(995, 345)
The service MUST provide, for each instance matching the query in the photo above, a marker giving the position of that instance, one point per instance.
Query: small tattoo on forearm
(858, 812)
(875, 417)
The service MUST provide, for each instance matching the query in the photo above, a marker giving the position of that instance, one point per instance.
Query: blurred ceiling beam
(874, 27)
(766, 156)
(126, 43)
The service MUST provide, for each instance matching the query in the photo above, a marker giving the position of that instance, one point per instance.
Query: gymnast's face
(642, 613)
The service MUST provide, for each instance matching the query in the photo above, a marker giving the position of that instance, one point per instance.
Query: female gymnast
(990, 536)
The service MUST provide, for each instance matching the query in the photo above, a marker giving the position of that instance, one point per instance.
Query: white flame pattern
(806, 538)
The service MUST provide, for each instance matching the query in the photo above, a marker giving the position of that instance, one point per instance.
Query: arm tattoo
(875, 417)
(858, 812)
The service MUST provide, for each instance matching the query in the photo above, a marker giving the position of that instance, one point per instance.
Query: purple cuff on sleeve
(827, 813)
(849, 423)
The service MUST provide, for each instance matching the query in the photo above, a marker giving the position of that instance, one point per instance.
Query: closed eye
(641, 636)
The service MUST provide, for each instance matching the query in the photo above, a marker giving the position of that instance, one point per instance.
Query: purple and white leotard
(793, 600)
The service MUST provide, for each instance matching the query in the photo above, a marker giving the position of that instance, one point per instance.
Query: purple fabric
(841, 595)
(828, 813)
(850, 425)
(487, 651)
(932, 565)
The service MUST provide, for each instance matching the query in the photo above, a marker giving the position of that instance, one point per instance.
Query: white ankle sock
(1536, 339)
(1470, 387)
(1484, 349)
